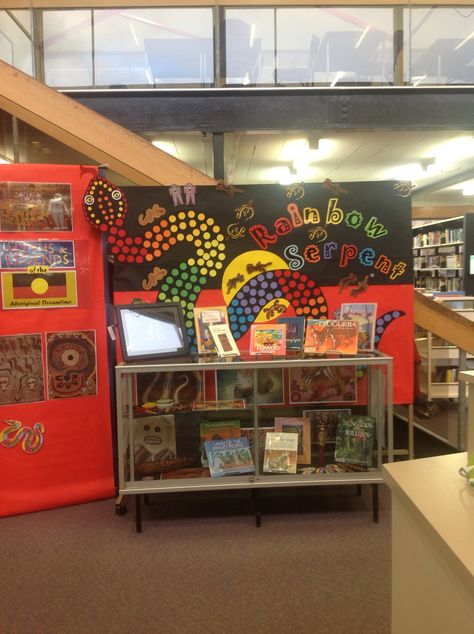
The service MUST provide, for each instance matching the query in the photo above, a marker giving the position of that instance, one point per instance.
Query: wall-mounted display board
(55, 427)
(266, 251)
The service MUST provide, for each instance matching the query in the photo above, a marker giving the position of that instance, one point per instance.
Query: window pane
(335, 45)
(438, 55)
(249, 46)
(15, 46)
(67, 48)
(153, 47)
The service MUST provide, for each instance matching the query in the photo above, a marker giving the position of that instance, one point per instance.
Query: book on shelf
(365, 314)
(229, 456)
(155, 438)
(281, 452)
(249, 433)
(180, 474)
(268, 339)
(294, 331)
(302, 427)
(224, 340)
(331, 336)
(203, 318)
(217, 430)
(324, 424)
(355, 437)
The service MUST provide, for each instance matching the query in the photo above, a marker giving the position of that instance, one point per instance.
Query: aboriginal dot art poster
(55, 421)
(264, 252)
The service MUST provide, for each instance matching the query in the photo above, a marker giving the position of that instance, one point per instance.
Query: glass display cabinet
(167, 411)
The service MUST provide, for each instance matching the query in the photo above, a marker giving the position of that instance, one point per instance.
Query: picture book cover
(203, 318)
(155, 438)
(324, 424)
(330, 384)
(302, 427)
(249, 433)
(239, 384)
(331, 336)
(294, 331)
(268, 339)
(229, 456)
(223, 340)
(217, 430)
(281, 452)
(365, 314)
(355, 436)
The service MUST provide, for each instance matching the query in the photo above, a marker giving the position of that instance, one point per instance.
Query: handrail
(90, 133)
(444, 322)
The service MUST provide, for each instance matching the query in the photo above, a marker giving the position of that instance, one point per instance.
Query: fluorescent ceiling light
(465, 40)
(406, 172)
(364, 33)
(166, 146)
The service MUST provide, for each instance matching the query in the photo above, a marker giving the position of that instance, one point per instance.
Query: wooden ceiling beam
(90, 133)
(439, 212)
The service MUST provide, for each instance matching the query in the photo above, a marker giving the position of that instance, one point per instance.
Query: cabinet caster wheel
(120, 510)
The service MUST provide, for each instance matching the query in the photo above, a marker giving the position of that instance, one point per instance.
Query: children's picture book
(329, 384)
(230, 456)
(302, 427)
(217, 430)
(268, 339)
(355, 436)
(365, 315)
(294, 331)
(223, 340)
(324, 424)
(249, 433)
(203, 318)
(281, 452)
(155, 438)
(331, 336)
(238, 384)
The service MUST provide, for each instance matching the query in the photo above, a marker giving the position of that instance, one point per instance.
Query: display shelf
(375, 401)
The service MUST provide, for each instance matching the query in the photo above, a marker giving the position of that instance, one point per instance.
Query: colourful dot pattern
(104, 205)
(300, 291)
(383, 322)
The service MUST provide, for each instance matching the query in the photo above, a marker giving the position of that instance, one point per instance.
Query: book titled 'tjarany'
(229, 456)
(355, 437)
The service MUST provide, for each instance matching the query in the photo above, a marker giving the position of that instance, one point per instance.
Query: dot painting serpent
(31, 438)
(261, 297)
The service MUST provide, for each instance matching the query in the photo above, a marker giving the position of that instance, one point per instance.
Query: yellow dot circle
(210, 221)
(219, 265)
(189, 237)
(213, 253)
(207, 244)
(221, 256)
(200, 262)
(192, 223)
(199, 251)
(216, 229)
(191, 261)
(206, 256)
(172, 218)
(196, 232)
(39, 286)
(206, 235)
(191, 213)
(174, 228)
(203, 227)
(203, 270)
(201, 217)
(180, 237)
(198, 243)
(212, 273)
(181, 215)
(221, 247)
(182, 226)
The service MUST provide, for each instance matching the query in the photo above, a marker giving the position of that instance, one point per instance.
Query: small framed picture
(224, 341)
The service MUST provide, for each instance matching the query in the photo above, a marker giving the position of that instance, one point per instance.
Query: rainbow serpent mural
(31, 438)
(253, 290)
